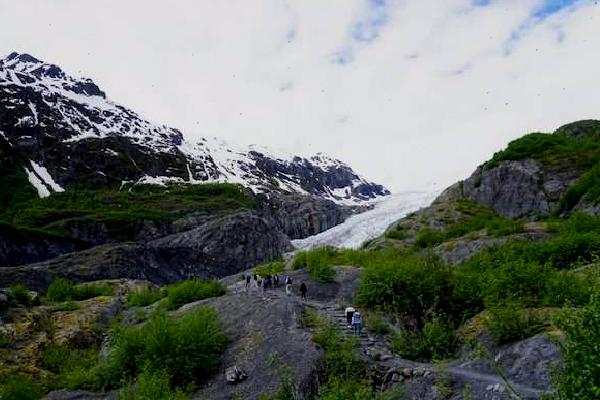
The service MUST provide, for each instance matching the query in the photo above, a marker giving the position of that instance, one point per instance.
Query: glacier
(370, 224)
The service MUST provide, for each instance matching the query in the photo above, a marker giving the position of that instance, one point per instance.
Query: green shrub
(428, 237)
(151, 385)
(271, 268)
(411, 286)
(587, 187)
(192, 290)
(143, 296)
(61, 289)
(19, 388)
(564, 288)
(74, 368)
(188, 348)
(318, 263)
(86, 291)
(397, 234)
(436, 341)
(579, 376)
(376, 323)
(19, 295)
(510, 322)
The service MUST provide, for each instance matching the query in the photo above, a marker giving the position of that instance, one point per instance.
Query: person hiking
(247, 282)
(349, 311)
(303, 289)
(276, 280)
(357, 323)
(288, 286)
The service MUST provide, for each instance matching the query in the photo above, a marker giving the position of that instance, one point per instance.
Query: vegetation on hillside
(552, 149)
(518, 283)
(121, 211)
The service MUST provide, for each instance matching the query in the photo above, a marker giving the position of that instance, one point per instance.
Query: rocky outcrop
(221, 247)
(19, 246)
(519, 188)
(301, 216)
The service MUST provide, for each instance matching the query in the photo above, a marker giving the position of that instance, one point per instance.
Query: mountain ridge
(77, 137)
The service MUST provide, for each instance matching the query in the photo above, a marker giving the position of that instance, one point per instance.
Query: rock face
(519, 188)
(218, 248)
(19, 247)
(64, 133)
(299, 216)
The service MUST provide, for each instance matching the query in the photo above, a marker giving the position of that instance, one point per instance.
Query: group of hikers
(257, 282)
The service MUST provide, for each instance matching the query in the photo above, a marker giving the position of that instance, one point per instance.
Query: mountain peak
(25, 69)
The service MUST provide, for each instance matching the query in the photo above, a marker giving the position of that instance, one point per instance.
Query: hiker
(276, 280)
(247, 282)
(349, 311)
(303, 289)
(288, 286)
(357, 323)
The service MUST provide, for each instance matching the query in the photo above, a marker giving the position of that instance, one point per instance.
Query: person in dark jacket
(303, 290)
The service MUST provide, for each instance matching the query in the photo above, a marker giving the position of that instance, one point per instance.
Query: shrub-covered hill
(539, 174)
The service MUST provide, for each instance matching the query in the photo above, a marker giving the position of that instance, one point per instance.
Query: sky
(410, 93)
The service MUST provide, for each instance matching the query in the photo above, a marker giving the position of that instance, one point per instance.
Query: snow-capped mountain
(63, 132)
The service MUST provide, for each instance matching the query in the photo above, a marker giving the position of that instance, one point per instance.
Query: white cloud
(427, 97)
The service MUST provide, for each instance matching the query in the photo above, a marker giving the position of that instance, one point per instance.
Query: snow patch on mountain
(45, 101)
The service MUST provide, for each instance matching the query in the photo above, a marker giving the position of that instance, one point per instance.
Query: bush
(509, 323)
(376, 323)
(429, 237)
(411, 286)
(151, 385)
(19, 388)
(318, 263)
(19, 295)
(189, 291)
(61, 289)
(272, 268)
(188, 349)
(436, 341)
(74, 368)
(144, 296)
(579, 376)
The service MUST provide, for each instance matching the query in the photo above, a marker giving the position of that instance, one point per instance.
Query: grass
(19, 388)
(510, 323)
(579, 376)
(551, 150)
(189, 291)
(144, 296)
(587, 187)
(121, 211)
(271, 268)
(186, 350)
(19, 295)
(317, 263)
(61, 290)
(437, 340)
(474, 218)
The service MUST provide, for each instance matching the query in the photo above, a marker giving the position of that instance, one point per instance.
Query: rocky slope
(535, 177)
(130, 198)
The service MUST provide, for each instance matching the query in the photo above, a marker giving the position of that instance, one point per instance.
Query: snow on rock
(37, 183)
(45, 177)
(359, 228)
(73, 113)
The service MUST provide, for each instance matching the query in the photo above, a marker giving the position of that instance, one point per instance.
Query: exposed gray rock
(459, 250)
(235, 374)
(301, 216)
(528, 362)
(519, 188)
(221, 247)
